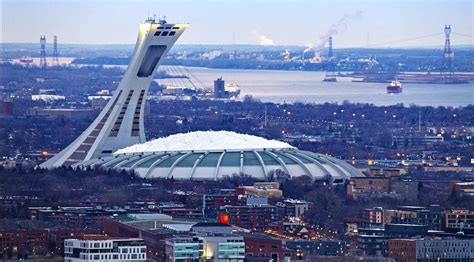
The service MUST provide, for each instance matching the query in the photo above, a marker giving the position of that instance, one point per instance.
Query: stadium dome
(212, 155)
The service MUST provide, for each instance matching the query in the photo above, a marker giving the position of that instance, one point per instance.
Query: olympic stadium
(212, 155)
(116, 138)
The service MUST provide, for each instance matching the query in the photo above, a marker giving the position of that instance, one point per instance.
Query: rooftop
(201, 141)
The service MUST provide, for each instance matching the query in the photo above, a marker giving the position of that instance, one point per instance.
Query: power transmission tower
(55, 52)
(447, 66)
(43, 52)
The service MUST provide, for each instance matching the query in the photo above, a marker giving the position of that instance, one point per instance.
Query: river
(304, 86)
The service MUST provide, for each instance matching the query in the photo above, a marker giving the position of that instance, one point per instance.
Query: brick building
(22, 243)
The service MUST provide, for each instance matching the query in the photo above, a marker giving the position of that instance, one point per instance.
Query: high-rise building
(219, 88)
(120, 123)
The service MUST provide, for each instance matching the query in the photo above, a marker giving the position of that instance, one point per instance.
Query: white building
(103, 248)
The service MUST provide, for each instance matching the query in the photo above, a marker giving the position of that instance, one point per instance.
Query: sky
(362, 23)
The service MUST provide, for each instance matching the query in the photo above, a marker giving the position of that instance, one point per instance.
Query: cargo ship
(26, 60)
(330, 79)
(395, 87)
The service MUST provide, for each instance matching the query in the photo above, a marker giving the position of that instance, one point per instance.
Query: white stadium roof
(202, 141)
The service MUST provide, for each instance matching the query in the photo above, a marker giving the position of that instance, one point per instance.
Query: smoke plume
(334, 29)
(264, 40)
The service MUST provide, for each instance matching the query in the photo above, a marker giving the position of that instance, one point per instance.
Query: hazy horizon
(361, 24)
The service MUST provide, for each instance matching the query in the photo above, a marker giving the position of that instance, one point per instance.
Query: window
(172, 33)
(157, 33)
(175, 27)
(168, 27)
(165, 33)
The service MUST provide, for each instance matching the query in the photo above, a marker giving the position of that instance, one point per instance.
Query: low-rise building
(212, 202)
(374, 241)
(58, 236)
(261, 247)
(184, 249)
(431, 249)
(416, 141)
(406, 187)
(463, 189)
(268, 189)
(76, 217)
(373, 215)
(104, 248)
(310, 250)
(206, 247)
(400, 216)
(431, 216)
(21, 243)
(384, 172)
(367, 185)
(253, 217)
(459, 220)
(292, 208)
(73, 113)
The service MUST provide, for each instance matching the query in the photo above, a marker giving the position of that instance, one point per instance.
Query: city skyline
(365, 24)
(279, 130)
